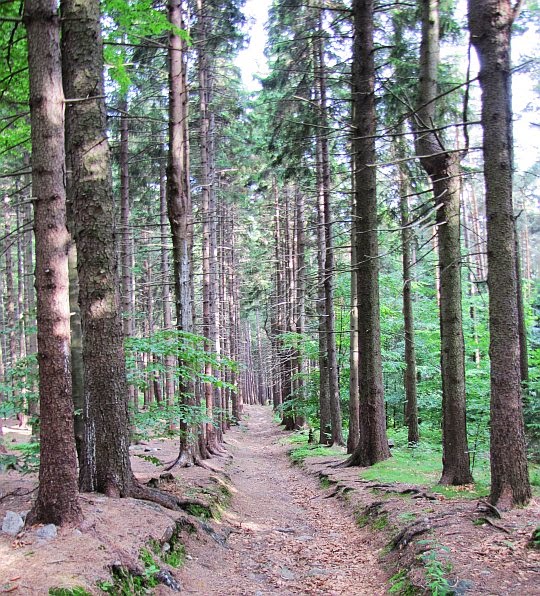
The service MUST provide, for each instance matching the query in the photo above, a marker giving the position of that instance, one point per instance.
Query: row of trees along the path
(294, 231)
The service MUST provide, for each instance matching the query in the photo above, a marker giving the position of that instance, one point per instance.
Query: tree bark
(126, 240)
(328, 285)
(373, 443)
(444, 171)
(89, 186)
(180, 215)
(490, 24)
(57, 500)
(407, 237)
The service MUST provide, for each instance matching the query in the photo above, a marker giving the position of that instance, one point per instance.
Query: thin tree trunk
(407, 239)
(165, 285)
(354, 356)
(126, 240)
(180, 214)
(324, 165)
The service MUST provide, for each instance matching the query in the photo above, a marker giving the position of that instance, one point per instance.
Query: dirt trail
(286, 538)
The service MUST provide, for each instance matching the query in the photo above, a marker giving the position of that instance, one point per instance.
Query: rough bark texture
(209, 330)
(57, 500)
(179, 209)
(490, 23)
(373, 443)
(106, 449)
(77, 367)
(444, 171)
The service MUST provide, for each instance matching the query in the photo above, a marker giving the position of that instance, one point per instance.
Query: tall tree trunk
(89, 187)
(77, 365)
(354, 356)
(126, 240)
(325, 181)
(490, 24)
(57, 500)
(444, 171)
(180, 214)
(165, 285)
(373, 443)
(300, 298)
(407, 238)
(207, 189)
(10, 308)
(327, 372)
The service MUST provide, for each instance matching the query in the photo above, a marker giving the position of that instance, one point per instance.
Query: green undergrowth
(218, 496)
(150, 458)
(302, 449)
(75, 591)
(156, 553)
(401, 584)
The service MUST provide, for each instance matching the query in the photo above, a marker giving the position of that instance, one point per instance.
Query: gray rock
(462, 587)
(305, 538)
(318, 571)
(47, 532)
(286, 573)
(165, 577)
(13, 523)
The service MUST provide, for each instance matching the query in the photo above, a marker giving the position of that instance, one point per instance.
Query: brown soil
(478, 552)
(286, 539)
(277, 536)
(280, 534)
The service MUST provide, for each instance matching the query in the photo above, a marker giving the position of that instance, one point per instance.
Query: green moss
(299, 454)
(407, 517)
(401, 584)
(380, 522)
(201, 511)
(324, 481)
(361, 520)
(75, 591)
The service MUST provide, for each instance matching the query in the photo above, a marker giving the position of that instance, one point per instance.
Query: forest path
(286, 538)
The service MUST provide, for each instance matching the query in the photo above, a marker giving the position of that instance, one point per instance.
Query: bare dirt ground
(282, 533)
(286, 538)
(457, 543)
(278, 535)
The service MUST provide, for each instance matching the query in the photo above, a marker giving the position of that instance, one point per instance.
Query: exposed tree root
(417, 528)
(487, 521)
(489, 509)
(408, 533)
(187, 460)
(167, 500)
(416, 493)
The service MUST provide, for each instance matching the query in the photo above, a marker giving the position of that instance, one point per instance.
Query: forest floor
(276, 528)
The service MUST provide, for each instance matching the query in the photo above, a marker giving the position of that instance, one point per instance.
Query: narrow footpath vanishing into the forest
(287, 538)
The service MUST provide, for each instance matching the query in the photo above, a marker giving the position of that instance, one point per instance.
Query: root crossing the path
(286, 538)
